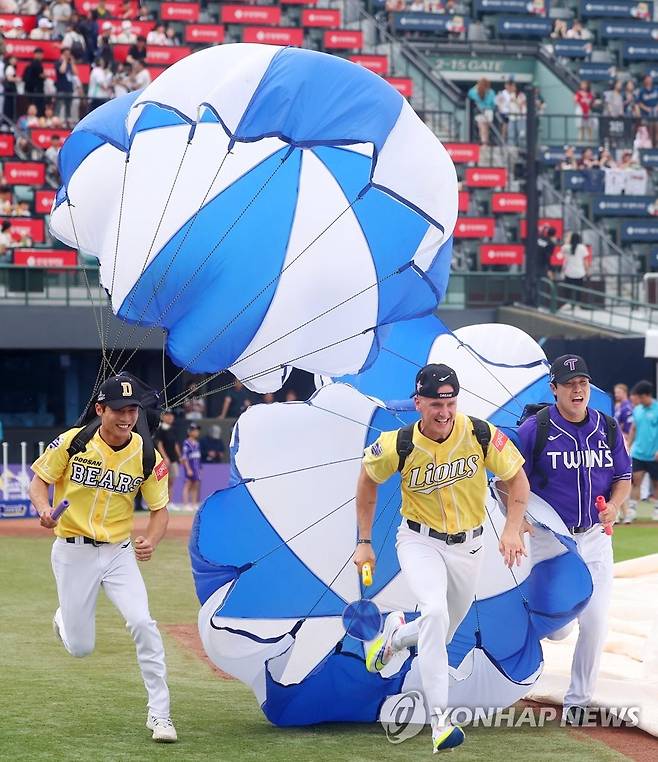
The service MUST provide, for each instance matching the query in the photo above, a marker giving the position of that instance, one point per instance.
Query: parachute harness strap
(201, 265)
(146, 260)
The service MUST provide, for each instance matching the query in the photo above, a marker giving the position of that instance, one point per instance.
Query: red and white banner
(343, 39)
(378, 64)
(464, 201)
(404, 85)
(42, 138)
(474, 227)
(116, 8)
(324, 18)
(29, 22)
(24, 173)
(163, 55)
(83, 70)
(551, 222)
(250, 14)
(299, 2)
(179, 11)
(6, 144)
(509, 203)
(463, 153)
(202, 34)
(155, 71)
(26, 48)
(27, 226)
(501, 253)
(46, 257)
(487, 177)
(43, 201)
(279, 36)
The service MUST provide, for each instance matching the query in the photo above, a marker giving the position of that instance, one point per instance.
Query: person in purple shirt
(191, 460)
(624, 417)
(576, 465)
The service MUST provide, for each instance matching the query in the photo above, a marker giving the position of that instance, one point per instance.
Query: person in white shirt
(17, 31)
(158, 36)
(42, 31)
(575, 267)
(140, 76)
(100, 83)
(126, 36)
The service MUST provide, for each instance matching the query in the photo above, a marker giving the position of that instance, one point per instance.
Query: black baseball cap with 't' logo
(566, 367)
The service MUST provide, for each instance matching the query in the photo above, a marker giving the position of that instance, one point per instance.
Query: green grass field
(60, 708)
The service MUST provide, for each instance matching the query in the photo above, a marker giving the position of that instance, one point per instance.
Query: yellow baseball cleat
(380, 652)
(449, 738)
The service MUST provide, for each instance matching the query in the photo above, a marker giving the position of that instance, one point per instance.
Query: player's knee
(436, 615)
(80, 647)
(140, 624)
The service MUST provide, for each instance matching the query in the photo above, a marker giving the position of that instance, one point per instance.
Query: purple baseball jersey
(575, 466)
(192, 455)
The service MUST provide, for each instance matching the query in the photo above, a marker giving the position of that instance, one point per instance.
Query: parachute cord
(202, 264)
(462, 387)
(301, 470)
(164, 375)
(147, 258)
(108, 316)
(511, 570)
(98, 316)
(266, 287)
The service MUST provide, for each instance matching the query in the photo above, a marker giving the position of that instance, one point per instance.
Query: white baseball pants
(443, 579)
(595, 548)
(80, 571)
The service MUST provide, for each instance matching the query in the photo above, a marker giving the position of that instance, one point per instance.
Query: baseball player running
(444, 491)
(92, 547)
(578, 463)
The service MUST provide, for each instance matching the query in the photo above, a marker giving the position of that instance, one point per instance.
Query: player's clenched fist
(143, 548)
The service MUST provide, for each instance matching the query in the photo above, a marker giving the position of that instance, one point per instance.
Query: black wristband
(364, 542)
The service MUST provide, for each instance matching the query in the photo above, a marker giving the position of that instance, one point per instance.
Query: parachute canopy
(269, 207)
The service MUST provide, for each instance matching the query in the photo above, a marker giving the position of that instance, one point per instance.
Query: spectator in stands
(483, 97)
(642, 139)
(614, 100)
(546, 243)
(503, 101)
(569, 161)
(560, 29)
(101, 12)
(60, 13)
(137, 52)
(584, 100)
(100, 84)
(237, 400)
(22, 209)
(605, 159)
(173, 38)
(10, 88)
(6, 241)
(575, 266)
(126, 35)
(631, 107)
(88, 28)
(16, 31)
(578, 32)
(140, 77)
(628, 161)
(52, 155)
(43, 30)
(647, 101)
(122, 80)
(588, 160)
(157, 36)
(194, 406)
(24, 125)
(30, 7)
(33, 80)
(65, 73)
(104, 46)
(50, 120)
(75, 42)
(6, 200)
(212, 446)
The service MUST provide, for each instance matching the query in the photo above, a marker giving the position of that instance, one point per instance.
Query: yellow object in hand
(366, 574)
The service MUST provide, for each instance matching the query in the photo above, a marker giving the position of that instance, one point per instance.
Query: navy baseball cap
(117, 392)
(430, 378)
(193, 426)
(566, 367)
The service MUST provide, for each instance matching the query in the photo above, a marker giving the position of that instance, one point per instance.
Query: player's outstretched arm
(366, 500)
(511, 541)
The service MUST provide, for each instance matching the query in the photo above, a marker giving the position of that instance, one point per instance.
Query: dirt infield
(633, 743)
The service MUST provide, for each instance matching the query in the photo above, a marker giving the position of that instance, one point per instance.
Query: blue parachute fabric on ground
(208, 576)
(356, 694)
(159, 287)
(234, 532)
(310, 99)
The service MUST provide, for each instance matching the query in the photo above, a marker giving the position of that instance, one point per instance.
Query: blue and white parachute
(268, 207)
(271, 555)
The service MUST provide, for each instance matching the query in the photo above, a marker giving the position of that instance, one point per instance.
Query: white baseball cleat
(380, 652)
(163, 729)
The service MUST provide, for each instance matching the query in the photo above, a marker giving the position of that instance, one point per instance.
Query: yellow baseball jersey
(444, 484)
(100, 485)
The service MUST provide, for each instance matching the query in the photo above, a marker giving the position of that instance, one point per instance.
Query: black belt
(579, 530)
(87, 541)
(449, 539)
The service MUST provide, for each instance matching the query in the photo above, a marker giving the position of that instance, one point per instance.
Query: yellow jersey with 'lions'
(444, 484)
(100, 485)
